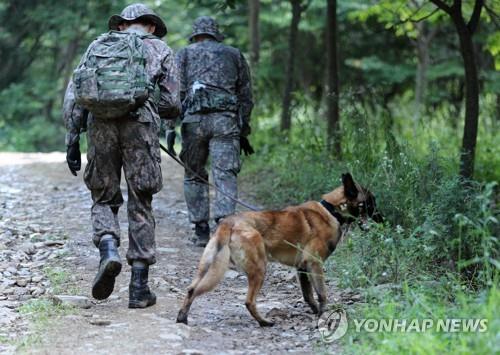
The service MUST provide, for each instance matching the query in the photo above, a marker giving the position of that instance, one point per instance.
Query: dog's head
(354, 202)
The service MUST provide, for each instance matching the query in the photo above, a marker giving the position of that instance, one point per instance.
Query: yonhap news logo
(333, 325)
(393, 325)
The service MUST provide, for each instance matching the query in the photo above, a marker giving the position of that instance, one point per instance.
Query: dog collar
(331, 208)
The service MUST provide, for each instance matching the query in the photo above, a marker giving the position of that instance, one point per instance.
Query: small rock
(276, 312)
(37, 279)
(75, 301)
(37, 291)
(170, 337)
(25, 297)
(39, 245)
(9, 282)
(175, 289)
(28, 248)
(356, 297)
(167, 250)
(8, 291)
(100, 322)
(231, 274)
(52, 243)
(191, 352)
(22, 282)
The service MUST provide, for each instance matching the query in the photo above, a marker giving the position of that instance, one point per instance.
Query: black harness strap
(331, 208)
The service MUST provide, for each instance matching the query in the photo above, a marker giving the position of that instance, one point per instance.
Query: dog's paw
(314, 308)
(182, 318)
(266, 323)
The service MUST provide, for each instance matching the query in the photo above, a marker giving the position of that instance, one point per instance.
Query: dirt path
(45, 224)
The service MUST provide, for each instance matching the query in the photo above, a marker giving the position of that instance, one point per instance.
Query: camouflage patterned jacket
(219, 66)
(162, 70)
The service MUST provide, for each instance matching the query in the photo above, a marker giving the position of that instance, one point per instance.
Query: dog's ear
(350, 189)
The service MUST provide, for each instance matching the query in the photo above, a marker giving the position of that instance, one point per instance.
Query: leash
(234, 199)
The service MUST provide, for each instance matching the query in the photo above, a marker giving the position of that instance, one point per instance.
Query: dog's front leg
(318, 280)
(307, 292)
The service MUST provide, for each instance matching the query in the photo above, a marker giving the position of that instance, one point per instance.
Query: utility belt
(203, 98)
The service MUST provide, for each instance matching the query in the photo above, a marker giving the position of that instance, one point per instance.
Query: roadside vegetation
(436, 255)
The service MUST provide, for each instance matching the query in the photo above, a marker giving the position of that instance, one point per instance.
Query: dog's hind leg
(307, 291)
(253, 261)
(255, 281)
(182, 316)
(213, 265)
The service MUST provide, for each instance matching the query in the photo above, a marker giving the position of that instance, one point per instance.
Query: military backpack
(111, 80)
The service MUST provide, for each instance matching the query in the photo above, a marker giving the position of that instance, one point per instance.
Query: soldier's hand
(170, 136)
(74, 158)
(245, 146)
(245, 130)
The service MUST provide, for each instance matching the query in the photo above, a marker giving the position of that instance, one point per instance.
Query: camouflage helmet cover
(138, 12)
(206, 25)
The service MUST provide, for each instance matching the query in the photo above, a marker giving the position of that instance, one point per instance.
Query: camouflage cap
(138, 12)
(205, 25)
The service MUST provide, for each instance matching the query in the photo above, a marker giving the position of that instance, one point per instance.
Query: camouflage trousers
(215, 135)
(133, 146)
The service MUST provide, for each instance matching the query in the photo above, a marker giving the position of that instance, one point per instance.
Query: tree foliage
(379, 52)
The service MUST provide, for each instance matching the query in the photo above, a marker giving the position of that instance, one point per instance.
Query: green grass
(60, 281)
(423, 302)
(41, 312)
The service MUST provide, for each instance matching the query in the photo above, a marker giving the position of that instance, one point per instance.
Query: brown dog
(300, 236)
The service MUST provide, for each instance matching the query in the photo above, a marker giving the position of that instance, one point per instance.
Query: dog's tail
(213, 265)
(214, 261)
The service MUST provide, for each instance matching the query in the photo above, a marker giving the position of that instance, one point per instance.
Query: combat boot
(109, 268)
(140, 296)
(202, 232)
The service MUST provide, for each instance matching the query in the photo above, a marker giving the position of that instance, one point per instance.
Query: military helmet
(205, 25)
(138, 12)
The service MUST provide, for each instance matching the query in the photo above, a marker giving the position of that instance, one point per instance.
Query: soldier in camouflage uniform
(130, 143)
(217, 103)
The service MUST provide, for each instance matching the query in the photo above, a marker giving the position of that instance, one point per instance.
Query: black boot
(140, 296)
(109, 268)
(202, 232)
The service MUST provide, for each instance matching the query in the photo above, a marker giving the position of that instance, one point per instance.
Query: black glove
(74, 157)
(245, 146)
(170, 136)
(245, 129)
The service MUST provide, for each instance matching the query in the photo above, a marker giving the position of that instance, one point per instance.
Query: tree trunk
(498, 108)
(65, 67)
(471, 100)
(286, 115)
(254, 31)
(465, 32)
(332, 89)
(422, 47)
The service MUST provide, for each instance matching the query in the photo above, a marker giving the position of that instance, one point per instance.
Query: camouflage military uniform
(130, 143)
(217, 103)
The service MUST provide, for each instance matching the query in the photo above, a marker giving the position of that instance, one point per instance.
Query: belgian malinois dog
(300, 236)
